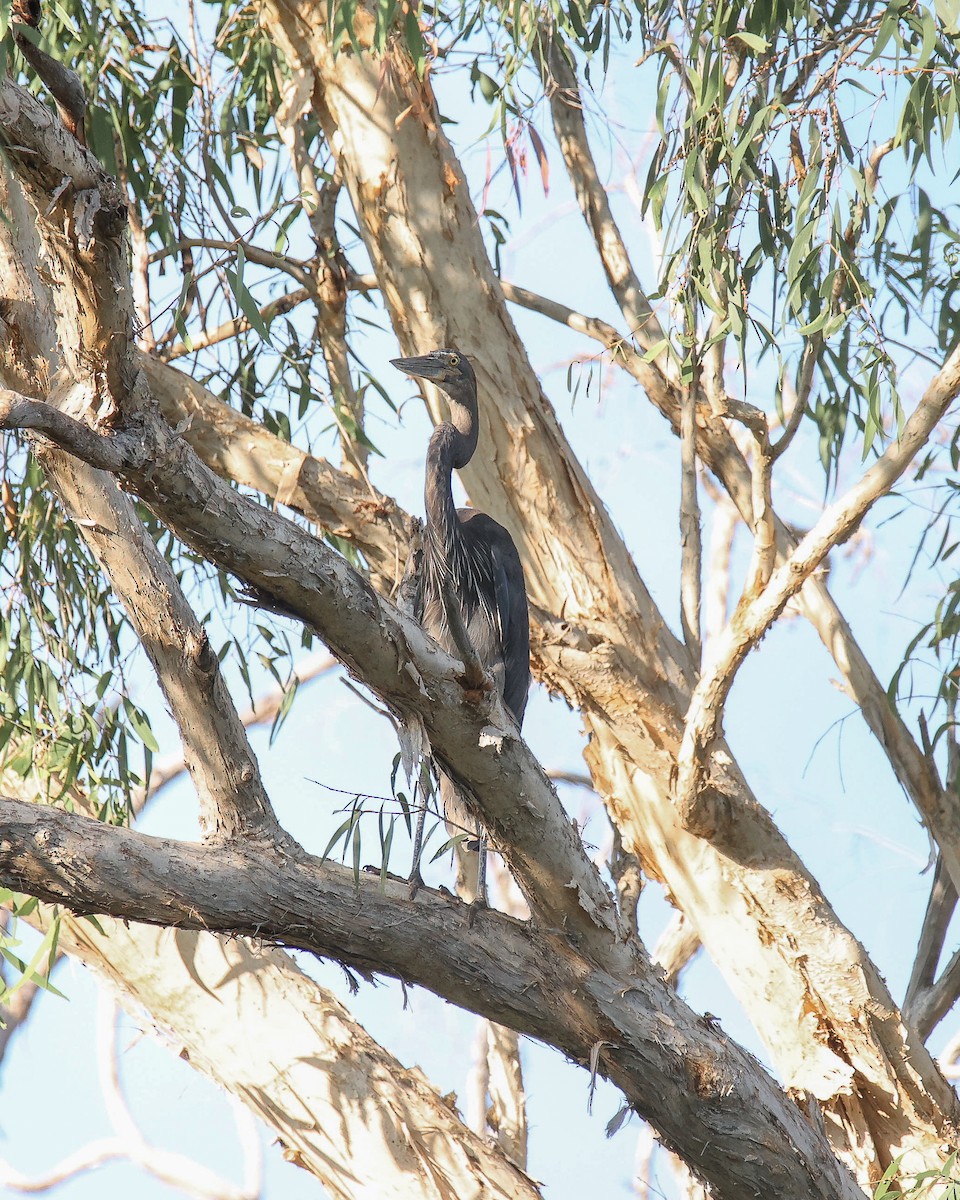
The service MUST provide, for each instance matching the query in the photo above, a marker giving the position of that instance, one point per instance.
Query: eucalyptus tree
(198, 225)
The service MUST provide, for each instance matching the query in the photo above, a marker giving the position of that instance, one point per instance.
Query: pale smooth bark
(756, 909)
(245, 1015)
(607, 599)
(914, 769)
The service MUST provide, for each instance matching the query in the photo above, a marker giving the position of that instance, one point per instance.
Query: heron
(469, 586)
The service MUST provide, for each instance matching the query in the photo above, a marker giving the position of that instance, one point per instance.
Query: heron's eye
(454, 360)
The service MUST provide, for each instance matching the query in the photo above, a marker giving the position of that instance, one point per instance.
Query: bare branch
(140, 271)
(241, 450)
(717, 587)
(736, 1108)
(221, 763)
(296, 269)
(566, 107)
(754, 618)
(106, 454)
(933, 1004)
(936, 921)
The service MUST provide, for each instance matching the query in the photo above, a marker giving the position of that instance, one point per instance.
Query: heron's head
(448, 369)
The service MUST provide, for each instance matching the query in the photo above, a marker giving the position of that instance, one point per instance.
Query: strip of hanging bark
(691, 549)
(709, 1100)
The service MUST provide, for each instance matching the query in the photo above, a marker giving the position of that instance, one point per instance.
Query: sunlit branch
(753, 618)
(488, 967)
(563, 90)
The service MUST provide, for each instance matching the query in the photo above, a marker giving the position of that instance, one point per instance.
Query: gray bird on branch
(468, 592)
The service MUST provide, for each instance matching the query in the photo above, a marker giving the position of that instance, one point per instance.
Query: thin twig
(236, 325)
(691, 547)
(298, 270)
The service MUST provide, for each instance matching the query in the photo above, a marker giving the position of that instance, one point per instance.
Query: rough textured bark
(218, 755)
(708, 1098)
(758, 912)
(241, 450)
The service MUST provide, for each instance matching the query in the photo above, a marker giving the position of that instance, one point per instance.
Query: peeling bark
(342, 1107)
(757, 910)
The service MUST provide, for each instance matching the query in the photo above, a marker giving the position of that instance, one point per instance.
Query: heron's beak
(423, 367)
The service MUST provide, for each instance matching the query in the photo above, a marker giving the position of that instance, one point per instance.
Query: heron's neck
(449, 449)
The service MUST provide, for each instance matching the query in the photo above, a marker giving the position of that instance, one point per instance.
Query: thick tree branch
(34, 416)
(218, 755)
(478, 745)
(505, 969)
(241, 450)
(611, 616)
(202, 989)
(306, 1072)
